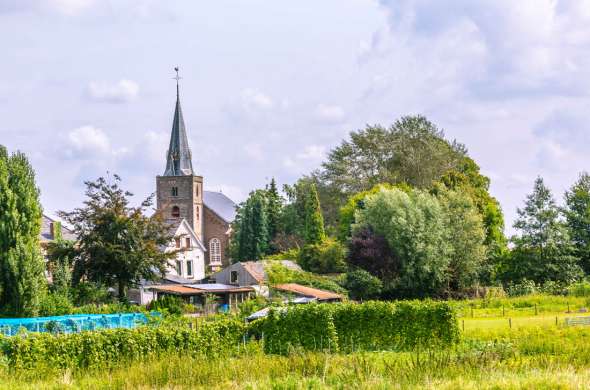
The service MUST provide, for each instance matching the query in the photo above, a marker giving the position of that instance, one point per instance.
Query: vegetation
(278, 274)
(22, 279)
(117, 244)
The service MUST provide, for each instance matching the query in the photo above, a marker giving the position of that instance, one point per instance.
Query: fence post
(536, 311)
(555, 320)
(463, 325)
(510, 322)
(503, 311)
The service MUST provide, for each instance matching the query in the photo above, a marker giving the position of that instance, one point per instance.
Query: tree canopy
(118, 244)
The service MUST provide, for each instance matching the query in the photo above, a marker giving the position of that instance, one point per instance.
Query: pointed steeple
(179, 159)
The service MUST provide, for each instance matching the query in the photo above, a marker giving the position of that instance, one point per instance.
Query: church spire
(179, 161)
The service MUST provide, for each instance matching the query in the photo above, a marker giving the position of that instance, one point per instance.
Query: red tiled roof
(320, 295)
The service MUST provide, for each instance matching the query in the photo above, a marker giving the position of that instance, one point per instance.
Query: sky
(269, 87)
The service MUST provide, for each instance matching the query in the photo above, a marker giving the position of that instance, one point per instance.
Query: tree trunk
(122, 291)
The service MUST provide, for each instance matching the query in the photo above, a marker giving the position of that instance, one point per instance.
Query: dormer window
(175, 212)
(174, 191)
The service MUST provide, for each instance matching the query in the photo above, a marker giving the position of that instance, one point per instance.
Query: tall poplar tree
(273, 211)
(21, 265)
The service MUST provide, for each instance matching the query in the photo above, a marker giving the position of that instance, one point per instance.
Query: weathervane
(177, 78)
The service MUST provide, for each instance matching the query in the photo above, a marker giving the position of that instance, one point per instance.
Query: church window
(175, 212)
(189, 268)
(188, 242)
(215, 250)
(177, 242)
(174, 191)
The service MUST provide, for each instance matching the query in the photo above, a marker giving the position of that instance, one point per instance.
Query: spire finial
(177, 78)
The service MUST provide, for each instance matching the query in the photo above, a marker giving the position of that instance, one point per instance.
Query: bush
(580, 289)
(524, 287)
(108, 347)
(367, 326)
(278, 274)
(55, 304)
(87, 293)
(362, 285)
(326, 257)
(168, 304)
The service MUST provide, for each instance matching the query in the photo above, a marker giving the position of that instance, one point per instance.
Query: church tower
(179, 190)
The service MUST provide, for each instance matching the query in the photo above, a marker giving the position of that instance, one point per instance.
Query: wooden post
(503, 311)
(510, 322)
(536, 311)
(463, 325)
(555, 320)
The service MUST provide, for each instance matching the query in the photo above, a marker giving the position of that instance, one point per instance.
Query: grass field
(534, 353)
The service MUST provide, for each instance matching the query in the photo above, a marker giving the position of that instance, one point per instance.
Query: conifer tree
(251, 228)
(21, 265)
(314, 221)
(274, 205)
(577, 214)
(543, 250)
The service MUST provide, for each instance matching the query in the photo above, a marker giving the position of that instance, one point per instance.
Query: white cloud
(253, 98)
(120, 92)
(71, 7)
(329, 113)
(88, 142)
(308, 158)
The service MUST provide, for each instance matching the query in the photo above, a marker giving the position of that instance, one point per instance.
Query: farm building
(199, 294)
(251, 273)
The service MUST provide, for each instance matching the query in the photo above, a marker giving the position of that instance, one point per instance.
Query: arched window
(214, 251)
(175, 212)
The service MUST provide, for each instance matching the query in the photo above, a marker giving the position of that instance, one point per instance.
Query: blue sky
(270, 86)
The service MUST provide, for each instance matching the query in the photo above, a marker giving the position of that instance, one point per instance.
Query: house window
(175, 212)
(189, 268)
(233, 278)
(174, 191)
(177, 242)
(214, 251)
(188, 242)
(179, 267)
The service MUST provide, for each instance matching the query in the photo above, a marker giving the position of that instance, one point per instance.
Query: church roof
(221, 205)
(179, 162)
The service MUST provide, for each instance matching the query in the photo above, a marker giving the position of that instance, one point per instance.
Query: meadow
(536, 353)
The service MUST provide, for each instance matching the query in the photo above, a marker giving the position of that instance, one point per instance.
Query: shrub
(362, 285)
(580, 289)
(55, 304)
(367, 326)
(278, 274)
(87, 293)
(524, 287)
(169, 304)
(328, 256)
(106, 348)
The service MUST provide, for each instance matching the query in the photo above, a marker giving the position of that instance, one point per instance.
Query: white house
(190, 260)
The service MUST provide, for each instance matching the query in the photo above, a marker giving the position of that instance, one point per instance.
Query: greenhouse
(71, 323)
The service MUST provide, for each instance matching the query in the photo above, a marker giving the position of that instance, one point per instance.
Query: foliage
(579, 289)
(106, 348)
(118, 244)
(367, 326)
(325, 257)
(279, 274)
(55, 304)
(468, 180)
(251, 237)
(88, 293)
(543, 250)
(168, 304)
(577, 215)
(522, 288)
(22, 279)
(274, 208)
(313, 232)
(466, 237)
(290, 254)
(361, 285)
(414, 226)
(61, 256)
(371, 252)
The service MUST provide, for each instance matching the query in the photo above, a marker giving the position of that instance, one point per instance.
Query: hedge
(109, 347)
(367, 326)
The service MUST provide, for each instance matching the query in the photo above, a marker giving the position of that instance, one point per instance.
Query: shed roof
(198, 289)
(320, 295)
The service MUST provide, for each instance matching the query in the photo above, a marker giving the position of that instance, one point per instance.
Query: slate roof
(179, 159)
(221, 205)
(45, 235)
